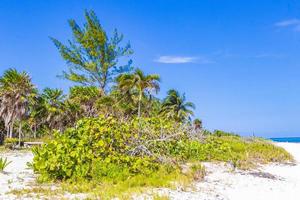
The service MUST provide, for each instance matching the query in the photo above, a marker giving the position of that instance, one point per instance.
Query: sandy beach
(269, 182)
(16, 175)
(274, 182)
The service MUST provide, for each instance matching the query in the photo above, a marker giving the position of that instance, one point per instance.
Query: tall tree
(176, 107)
(140, 82)
(16, 90)
(93, 57)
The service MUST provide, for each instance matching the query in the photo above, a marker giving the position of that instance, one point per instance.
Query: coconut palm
(176, 107)
(140, 82)
(197, 124)
(53, 107)
(85, 97)
(16, 90)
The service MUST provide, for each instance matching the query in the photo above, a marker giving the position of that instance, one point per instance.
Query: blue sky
(238, 61)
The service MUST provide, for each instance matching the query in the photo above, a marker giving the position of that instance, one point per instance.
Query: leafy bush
(96, 147)
(3, 164)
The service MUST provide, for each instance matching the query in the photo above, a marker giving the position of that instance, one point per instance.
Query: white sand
(219, 184)
(16, 175)
(222, 184)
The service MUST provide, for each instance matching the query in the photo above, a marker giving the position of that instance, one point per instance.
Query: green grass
(134, 185)
(243, 153)
(4, 163)
(122, 189)
(161, 197)
(249, 153)
(44, 139)
(37, 192)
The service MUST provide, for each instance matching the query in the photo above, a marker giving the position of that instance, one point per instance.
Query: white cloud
(182, 59)
(293, 23)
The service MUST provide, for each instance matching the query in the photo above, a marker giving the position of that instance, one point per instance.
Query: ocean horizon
(286, 139)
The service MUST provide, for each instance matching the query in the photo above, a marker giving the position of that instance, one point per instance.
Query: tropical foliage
(107, 149)
(106, 87)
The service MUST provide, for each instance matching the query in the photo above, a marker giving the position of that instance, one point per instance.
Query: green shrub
(220, 133)
(95, 148)
(11, 142)
(211, 149)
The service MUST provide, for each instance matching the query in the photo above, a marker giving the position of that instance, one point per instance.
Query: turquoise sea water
(287, 139)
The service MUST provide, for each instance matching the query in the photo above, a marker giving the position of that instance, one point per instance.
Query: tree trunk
(8, 131)
(139, 108)
(34, 132)
(20, 133)
(2, 137)
(11, 129)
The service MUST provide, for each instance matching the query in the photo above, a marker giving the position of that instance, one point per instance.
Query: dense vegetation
(103, 148)
(110, 127)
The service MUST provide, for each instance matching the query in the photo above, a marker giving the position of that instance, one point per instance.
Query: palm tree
(140, 82)
(37, 114)
(16, 90)
(197, 124)
(175, 107)
(85, 97)
(53, 107)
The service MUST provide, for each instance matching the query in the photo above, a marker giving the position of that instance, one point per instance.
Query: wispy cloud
(293, 23)
(269, 55)
(175, 59)
(182, 60)
(225, 54)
